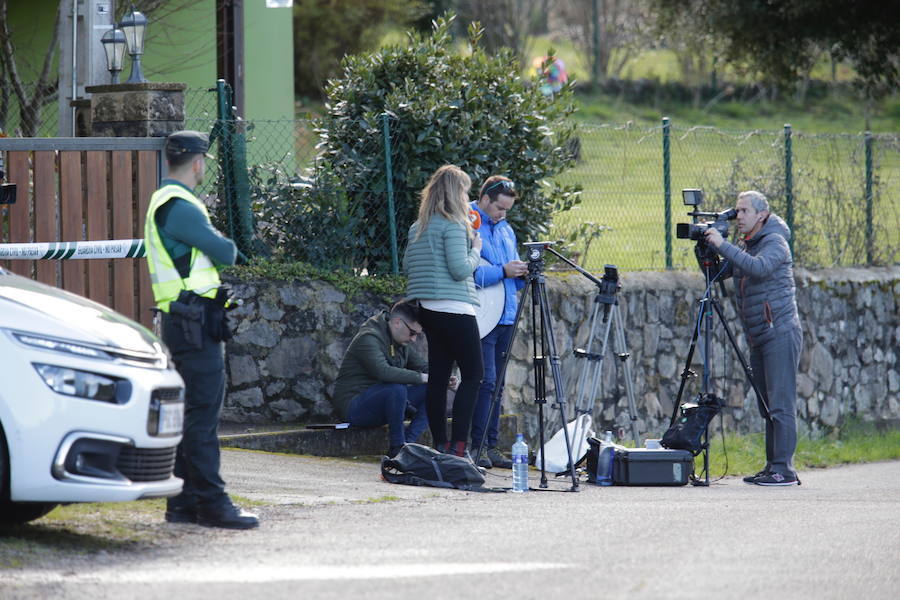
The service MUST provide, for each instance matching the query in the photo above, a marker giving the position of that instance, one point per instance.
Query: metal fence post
(789, 183)
(870, 232)
(224, 135)
(233, 163)
(389, 178)
(667, 191)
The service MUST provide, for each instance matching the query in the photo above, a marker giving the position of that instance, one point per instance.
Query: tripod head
(607, 288)
(535, 255)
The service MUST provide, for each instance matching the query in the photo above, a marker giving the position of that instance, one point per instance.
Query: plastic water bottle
(606, 460)
(520, 464)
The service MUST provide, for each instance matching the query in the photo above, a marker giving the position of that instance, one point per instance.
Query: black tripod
(542, 341)
(709, 264)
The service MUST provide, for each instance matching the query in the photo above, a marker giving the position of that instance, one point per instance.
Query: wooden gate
(74, 189)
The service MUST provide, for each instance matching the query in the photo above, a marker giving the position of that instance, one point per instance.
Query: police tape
(72, 250)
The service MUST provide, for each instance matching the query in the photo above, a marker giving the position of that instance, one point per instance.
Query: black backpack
(687, 432)
(416, 464)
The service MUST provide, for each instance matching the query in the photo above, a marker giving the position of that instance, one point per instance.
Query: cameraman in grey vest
(761, 266)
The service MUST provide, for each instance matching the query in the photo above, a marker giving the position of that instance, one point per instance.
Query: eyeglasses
(412, 332)
(506, 184)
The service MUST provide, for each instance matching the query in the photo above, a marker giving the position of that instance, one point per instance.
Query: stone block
(136, 110)
(291, 357)
(243, 369)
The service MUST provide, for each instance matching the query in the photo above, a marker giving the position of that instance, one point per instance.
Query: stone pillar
(136, 109)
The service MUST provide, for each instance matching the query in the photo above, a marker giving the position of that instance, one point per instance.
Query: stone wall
(291, 336)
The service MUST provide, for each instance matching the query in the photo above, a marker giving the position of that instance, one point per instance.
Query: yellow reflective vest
(203, 278)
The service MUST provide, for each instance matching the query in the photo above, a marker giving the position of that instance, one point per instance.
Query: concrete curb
(338, 442)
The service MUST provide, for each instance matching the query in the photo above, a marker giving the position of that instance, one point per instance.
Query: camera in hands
(697, 230)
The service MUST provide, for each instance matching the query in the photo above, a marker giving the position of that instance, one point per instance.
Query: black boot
(228, 516)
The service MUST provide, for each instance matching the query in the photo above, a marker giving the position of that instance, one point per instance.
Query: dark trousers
(774, 367)
(197, 458)
(385, 403)
(451, 338)
(493, 351)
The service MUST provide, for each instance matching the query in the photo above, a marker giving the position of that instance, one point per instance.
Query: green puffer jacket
(440, 262)
(374, 358)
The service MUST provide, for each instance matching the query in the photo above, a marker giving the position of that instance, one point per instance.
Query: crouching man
(382, 377)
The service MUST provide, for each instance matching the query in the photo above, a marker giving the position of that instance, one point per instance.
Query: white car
(91, 407)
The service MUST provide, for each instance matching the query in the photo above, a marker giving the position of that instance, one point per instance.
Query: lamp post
(133, 25)
(114, 44)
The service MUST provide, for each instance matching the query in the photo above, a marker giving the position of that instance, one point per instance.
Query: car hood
(28, 305)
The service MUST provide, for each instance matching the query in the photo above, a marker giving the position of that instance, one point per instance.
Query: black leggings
(451, 338)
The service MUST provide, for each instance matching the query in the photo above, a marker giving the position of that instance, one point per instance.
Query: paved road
(332, 529)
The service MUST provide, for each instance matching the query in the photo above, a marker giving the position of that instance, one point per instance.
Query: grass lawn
(856, 443)
(621, 172)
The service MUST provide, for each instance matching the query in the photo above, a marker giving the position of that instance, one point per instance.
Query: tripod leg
(495, 396)
(560, 392)
(686, 372)
(585, 402)
(624, 355)
(540, 378)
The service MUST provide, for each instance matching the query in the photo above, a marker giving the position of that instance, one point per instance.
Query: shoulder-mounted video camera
(697, 229)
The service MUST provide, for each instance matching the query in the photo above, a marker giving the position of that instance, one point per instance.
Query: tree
(34, 95)
(472, 110)
(44, 89)
(624, 26)
(782, 40)
(327, 30)
(506, 23)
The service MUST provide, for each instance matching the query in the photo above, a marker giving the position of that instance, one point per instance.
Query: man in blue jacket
(499, 250)
(761, 265)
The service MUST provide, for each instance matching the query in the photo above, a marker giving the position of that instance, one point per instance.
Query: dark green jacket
(373, 357)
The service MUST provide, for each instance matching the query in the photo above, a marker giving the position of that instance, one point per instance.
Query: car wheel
(16, 512)
(13, 513)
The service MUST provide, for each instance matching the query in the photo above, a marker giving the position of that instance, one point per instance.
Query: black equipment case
(639, 466)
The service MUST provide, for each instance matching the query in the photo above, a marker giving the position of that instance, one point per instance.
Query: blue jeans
(493, 350)
(385, 403)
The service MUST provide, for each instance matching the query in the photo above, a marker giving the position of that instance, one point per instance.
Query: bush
(312, 222)
(473, 110)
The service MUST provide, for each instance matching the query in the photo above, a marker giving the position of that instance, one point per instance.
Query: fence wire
(40, 122)
(619, 170)
(282, 190)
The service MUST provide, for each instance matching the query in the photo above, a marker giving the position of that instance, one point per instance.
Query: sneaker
(498, 459)
(776, 479)
(227, 517)
(753, 478)
(181, 515)
(485, 462)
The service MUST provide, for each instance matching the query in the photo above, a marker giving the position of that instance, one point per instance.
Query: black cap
(187, 142)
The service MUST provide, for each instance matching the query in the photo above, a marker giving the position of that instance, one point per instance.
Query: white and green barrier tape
(69, 250)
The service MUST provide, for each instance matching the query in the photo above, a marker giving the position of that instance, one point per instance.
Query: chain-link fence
(38, 119)
(837, 192)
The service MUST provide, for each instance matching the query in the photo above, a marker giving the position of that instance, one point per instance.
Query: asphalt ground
(333, 529)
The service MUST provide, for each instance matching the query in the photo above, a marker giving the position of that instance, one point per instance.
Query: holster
(189, 314)
(217, 323)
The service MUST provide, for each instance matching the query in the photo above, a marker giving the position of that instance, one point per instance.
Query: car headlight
(45, 343)
(84, 384)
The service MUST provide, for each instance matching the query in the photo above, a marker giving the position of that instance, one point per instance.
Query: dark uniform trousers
(197, 459)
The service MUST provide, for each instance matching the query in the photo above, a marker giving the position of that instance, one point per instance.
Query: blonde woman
(441, 255)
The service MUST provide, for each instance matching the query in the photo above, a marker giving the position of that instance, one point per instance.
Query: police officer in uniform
(184, 254)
